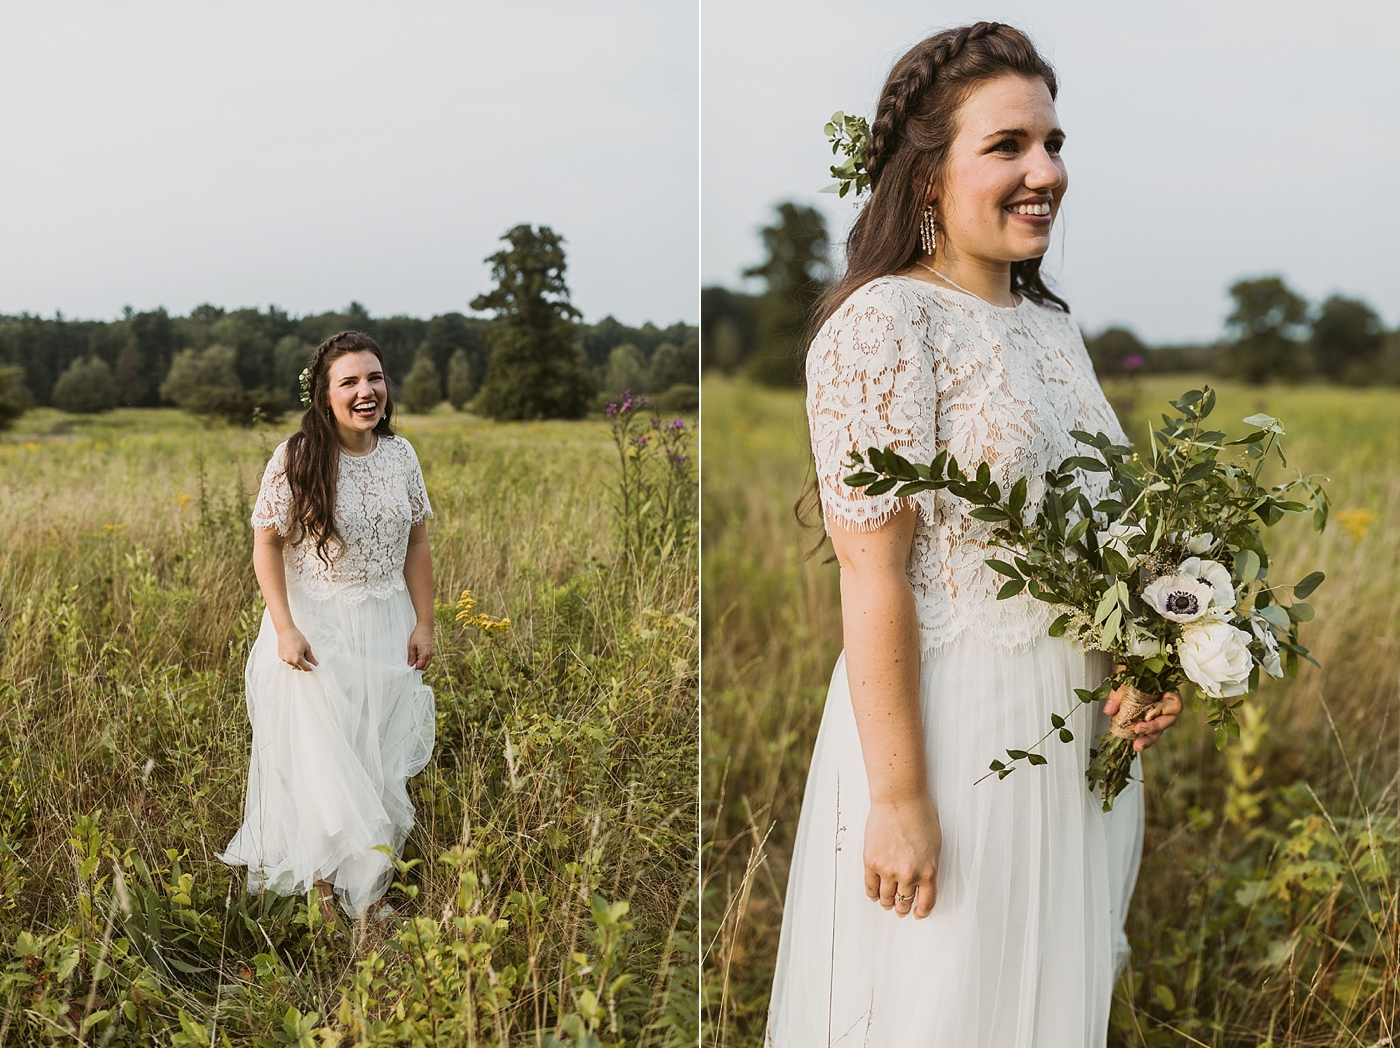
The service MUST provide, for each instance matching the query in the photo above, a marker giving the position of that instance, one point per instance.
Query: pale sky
(1207, 141)
(311, 153)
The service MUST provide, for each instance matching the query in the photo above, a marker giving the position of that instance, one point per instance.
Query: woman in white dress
(341, 718)
(943, 336)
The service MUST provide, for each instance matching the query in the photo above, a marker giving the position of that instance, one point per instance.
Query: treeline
(230, 362)
(1272, 333)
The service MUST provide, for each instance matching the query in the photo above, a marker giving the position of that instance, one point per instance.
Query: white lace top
(378, 497)
(909, 365)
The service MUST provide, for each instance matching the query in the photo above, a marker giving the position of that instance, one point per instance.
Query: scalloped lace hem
(351, 593)
(1008, 638)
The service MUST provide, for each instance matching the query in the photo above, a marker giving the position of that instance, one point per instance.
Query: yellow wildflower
(1356, 522)
(468, 616)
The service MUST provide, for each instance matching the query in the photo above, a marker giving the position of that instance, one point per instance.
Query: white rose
(1199, 544)
(1116, 538)
(1216, 574)
(1215, 657)
(1181, 598)
(1265, 632)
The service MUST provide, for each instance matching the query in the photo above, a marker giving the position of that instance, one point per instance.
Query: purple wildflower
(1133, 362)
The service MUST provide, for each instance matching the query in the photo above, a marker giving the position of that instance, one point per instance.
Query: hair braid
(902, 95)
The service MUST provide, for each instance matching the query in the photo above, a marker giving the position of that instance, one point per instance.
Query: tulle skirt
(1026, 936)
(333, 749)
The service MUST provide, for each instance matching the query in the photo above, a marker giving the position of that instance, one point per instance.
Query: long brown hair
(313, 453)
(915, 123)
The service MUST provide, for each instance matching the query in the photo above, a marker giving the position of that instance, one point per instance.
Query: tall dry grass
(1266, 909)
(555, 898)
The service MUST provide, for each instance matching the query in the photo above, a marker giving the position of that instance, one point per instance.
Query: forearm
(418, 577)
(882, 655)
(271, 571)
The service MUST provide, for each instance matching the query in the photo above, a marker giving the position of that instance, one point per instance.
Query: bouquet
(1168, 574)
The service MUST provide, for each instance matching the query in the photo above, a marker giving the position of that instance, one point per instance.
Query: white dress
(334, 747)
(1026, 936)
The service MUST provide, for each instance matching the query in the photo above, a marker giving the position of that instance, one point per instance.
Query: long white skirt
(333, 749)
(1026, 936)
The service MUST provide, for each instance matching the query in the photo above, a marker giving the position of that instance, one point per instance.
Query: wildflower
(678, 424)
(640, 441)
(1181, 598)
(1357, 522)
(468, 616)
(1133, 362)
(1215, 657)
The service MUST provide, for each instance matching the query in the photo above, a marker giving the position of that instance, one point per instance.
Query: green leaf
(1036, 759)
(989, 513)
(1016, 755)
(1002, 568)
(1199, 471)
(1066, 735)
(1308, 584)
(1017, 501)
(1300, 612)
(1058, 627)
(1085, 695)
(1247, 565)
(1089, 465)
(1057, 720)
(1014, 587)
(996, 766)
(859, 480)
(882, 486)
(1077, 532)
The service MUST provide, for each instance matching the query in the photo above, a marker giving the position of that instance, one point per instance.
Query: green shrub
(86, 388)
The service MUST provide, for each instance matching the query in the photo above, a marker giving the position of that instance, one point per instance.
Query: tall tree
(795, 270)
(536, 369)
(1347, 340)
(1268, 321)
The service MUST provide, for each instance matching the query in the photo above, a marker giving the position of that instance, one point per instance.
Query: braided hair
(313, 453)
(915, 123)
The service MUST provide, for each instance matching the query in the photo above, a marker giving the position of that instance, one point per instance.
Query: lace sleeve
(867, 386)
(417, 490)
(274, 506)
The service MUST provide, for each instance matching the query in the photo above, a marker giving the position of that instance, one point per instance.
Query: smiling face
(358, 391)
(1004, 179)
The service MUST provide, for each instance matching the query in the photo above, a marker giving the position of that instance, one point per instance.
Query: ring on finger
(907, 898)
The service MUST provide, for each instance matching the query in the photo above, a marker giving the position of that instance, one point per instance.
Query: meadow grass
(547, 893)
(1266, 908)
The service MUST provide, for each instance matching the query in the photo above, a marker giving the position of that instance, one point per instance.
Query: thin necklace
(955, 284)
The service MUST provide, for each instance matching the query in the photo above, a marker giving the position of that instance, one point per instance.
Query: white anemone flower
(1181, 598)
(1116, 537)
(1215, 657)
(1214, 573)
(1273, 666)
(1141, 643)
(1199, 544)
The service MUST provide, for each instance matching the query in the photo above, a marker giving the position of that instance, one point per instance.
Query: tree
(536, 370)
(1347, 340)
(1267, 319)
(422, 389)
(668, 368)
(15, 398)
(1115, 352)
(627, 369)
(205, 382)
(86, 388)
(796, 271)
(461, 379)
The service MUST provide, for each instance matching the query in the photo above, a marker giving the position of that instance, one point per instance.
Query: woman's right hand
(295, 650)
(902, 844)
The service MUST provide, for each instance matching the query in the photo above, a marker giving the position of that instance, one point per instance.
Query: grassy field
(555, 900)
(1266, 909)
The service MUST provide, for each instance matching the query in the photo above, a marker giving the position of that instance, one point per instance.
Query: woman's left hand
(1168, 708)
(420, 647)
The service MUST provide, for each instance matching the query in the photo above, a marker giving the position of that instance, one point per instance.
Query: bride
(943, 336)
(341, 718)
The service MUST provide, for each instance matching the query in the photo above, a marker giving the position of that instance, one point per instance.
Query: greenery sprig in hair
(849, 135)
(304, 380)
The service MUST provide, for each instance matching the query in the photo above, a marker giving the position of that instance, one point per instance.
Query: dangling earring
(928, 237)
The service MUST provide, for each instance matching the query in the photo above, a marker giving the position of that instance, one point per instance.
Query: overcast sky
(1207, 141)
(311, 153)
